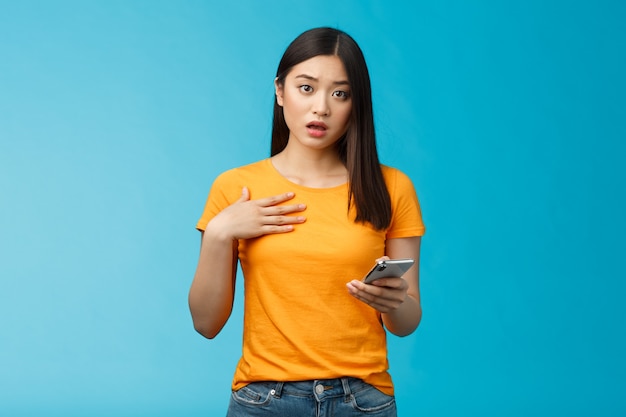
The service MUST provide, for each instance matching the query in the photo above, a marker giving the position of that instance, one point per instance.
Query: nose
(320, 106)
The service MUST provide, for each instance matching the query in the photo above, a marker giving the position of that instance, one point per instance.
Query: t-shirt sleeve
(223, 193)
(406, 219)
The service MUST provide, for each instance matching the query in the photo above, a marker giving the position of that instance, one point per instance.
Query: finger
(375, 290)
(379, 304)
(276, 229)
(284, 220)
(245, 194)
(383, 305)
(395, 283)
(360, 291)
(372, 293)
(281, 210)
(275, 199)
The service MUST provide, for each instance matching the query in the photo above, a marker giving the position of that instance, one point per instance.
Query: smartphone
(394, 268)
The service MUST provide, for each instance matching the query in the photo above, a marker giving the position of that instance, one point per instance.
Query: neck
(315, 169)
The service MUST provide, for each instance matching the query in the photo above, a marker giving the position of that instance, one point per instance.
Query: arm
(397, 299)
(213, 288)
(403, 320)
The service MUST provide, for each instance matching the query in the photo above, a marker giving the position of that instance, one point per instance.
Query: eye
(344, 95)
(306, 88)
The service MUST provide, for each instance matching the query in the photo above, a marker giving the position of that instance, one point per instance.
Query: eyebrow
(309, 77)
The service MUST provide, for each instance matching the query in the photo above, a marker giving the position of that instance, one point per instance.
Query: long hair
(357, 147)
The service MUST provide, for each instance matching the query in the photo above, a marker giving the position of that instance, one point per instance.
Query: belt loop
(346, 388)
(278, 390)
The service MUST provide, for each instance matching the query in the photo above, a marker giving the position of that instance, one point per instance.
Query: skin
(398, 299)
(315, 90)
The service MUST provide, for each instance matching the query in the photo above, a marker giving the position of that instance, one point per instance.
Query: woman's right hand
(245, 218)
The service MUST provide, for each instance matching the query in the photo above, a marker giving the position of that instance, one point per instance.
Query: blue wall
(115, 117)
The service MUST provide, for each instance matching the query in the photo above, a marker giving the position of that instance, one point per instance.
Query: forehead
(322, 67)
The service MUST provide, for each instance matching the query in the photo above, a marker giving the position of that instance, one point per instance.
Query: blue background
(116, 116)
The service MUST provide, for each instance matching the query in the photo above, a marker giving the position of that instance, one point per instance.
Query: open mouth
(317, 126)
(316, 129)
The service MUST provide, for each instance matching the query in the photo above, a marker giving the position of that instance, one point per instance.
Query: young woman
(307, 224)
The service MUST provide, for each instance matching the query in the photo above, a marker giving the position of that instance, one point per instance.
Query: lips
(317, 126)
(316, 129)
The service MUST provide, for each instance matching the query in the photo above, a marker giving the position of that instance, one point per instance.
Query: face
(316, 102)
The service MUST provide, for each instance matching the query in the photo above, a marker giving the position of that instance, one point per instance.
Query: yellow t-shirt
(300, 322)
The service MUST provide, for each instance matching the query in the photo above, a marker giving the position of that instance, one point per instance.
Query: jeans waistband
(320, 388)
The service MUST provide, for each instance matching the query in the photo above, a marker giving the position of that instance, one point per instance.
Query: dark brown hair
(357, 147)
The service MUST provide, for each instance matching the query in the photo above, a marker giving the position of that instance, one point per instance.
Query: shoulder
(244, 172)
(229, 183)
(395, 179)
(407, 216)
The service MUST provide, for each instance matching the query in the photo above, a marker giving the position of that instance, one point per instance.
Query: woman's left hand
(396, 299)
(384, 294)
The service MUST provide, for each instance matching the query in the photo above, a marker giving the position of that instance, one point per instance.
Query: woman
(306, 225)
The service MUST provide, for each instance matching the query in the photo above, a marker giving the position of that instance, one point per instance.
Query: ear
(279, 92)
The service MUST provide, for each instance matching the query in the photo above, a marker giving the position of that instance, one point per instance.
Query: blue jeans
(319, 398)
